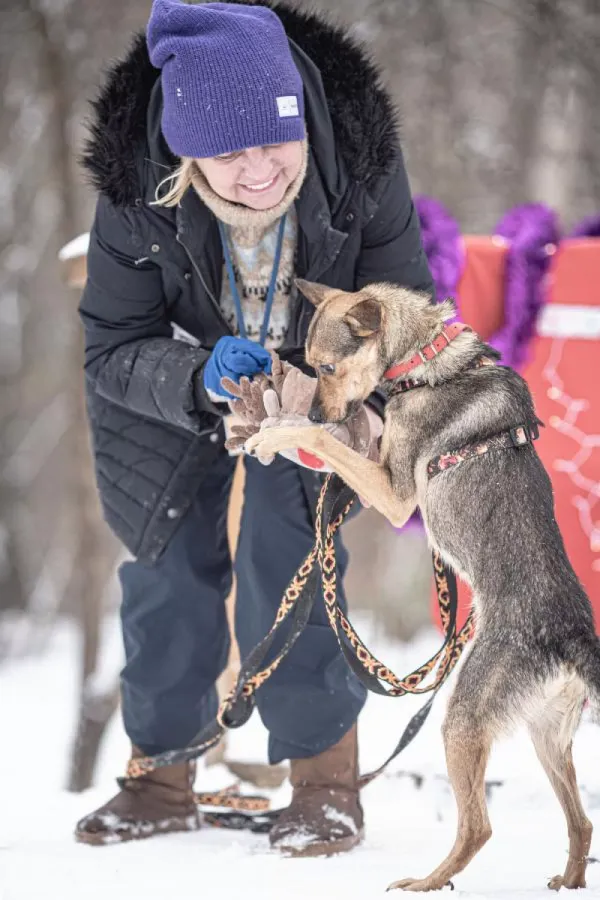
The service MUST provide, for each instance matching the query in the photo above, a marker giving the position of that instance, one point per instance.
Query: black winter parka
(155, 433)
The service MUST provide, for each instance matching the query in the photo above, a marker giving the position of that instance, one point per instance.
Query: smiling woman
(239, 147)
(257, 177)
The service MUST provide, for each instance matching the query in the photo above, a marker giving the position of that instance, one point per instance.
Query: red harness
(519, 436)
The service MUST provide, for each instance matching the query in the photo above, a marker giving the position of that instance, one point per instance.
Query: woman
(234, 149)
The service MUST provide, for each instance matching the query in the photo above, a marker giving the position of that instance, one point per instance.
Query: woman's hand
(233, 358)
(286, 395)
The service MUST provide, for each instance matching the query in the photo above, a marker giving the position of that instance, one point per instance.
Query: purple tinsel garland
(442, 242)
(588, 227)
(533, 234)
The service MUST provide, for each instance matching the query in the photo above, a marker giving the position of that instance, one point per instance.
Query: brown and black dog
(457, 443)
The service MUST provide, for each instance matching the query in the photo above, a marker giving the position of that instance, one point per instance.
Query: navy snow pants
(175, 628)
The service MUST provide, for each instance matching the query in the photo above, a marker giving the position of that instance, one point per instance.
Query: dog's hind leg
(551, 734)
(468, 739)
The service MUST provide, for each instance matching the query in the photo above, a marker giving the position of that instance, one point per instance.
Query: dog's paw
(403, 885)
(420, 885)
(559, 881)
(266, 443)
(282, 437)
(253, 442)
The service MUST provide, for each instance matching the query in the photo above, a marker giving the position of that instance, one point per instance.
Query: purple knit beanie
(228, 78)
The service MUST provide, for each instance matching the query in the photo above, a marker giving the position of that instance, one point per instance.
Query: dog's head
(343, 347)
(354, 338)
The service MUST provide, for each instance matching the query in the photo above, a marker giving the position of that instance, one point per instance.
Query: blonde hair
(179, 181)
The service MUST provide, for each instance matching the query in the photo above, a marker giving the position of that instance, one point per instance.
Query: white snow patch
(408, 828)
(301, 839)
(336, 815)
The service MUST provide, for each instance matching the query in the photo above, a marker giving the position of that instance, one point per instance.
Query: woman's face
(258, 177)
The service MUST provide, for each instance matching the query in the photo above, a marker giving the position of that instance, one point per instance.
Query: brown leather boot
(325, 815)
(158, 803)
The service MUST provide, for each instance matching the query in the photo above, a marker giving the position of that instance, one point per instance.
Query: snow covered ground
(409, 828)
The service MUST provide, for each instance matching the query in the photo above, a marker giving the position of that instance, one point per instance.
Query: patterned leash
(373, 673)
(318, 571)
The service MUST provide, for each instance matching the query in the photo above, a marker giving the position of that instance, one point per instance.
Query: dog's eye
(327, 369)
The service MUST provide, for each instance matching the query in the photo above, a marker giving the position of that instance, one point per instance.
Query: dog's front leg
(369, 479)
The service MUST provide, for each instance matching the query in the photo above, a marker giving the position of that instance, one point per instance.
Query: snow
(410, 812)
(335, 815)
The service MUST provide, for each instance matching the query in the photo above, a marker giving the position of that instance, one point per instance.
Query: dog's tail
(586, 661)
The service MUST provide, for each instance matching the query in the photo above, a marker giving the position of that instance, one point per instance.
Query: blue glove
(234, 357)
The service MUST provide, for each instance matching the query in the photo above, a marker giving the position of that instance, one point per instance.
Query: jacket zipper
(198, 272)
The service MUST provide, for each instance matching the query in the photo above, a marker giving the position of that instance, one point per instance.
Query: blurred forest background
(499, 106)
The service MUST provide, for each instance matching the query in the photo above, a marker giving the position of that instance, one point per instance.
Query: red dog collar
(429, 352)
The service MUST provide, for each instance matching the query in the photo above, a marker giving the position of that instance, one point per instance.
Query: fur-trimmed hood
(362, 115)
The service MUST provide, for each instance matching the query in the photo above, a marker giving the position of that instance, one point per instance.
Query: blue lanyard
(271, 291)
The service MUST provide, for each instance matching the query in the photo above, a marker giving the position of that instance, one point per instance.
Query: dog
(458, 443)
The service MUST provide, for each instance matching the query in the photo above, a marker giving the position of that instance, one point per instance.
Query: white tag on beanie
(288, 106)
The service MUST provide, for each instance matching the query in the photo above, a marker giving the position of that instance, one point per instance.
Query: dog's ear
(364, 319)
(316, 293)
